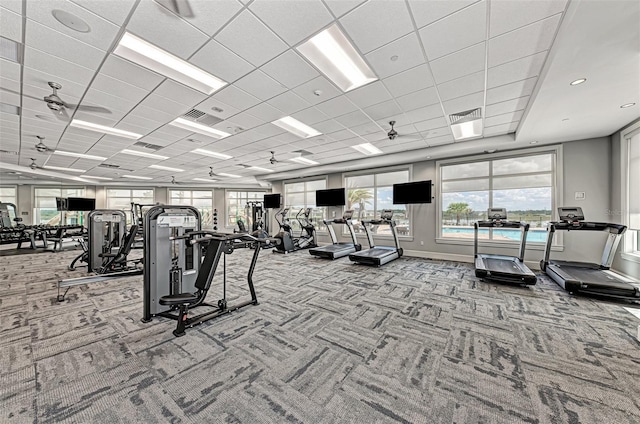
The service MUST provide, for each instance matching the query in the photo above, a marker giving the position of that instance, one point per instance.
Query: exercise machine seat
(180, 298)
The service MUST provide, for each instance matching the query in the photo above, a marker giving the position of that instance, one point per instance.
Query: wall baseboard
(533, 265)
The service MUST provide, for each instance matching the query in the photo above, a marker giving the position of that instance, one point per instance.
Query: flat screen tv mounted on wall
(330, 197)
(414, 192)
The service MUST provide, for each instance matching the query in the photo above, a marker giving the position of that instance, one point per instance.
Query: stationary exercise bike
(289, 243)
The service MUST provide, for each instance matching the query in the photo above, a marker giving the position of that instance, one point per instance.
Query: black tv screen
(272, 201)
(61, 203)
(415, 192)
(331, 197)
(81, 204)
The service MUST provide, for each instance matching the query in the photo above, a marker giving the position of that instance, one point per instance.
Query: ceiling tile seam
(546, 64)
(508, 100)
(527, 25)
(24, 38)
(64, 35)
(506, 113)
(520, 58)
(486, 64)
(449, 15)
(506, 123)
(428, 64)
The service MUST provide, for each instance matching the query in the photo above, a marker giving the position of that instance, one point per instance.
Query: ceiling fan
(273, 159)
(393, 134)
(33, 164)
(41, 147)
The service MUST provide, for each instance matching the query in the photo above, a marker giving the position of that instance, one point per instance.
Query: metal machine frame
(337, 249)
(379, 255)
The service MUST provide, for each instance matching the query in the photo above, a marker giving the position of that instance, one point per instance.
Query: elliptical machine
(288, 243)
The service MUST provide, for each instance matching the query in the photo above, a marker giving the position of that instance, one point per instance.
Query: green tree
(360, 196)
(468, 211)
(457, 209)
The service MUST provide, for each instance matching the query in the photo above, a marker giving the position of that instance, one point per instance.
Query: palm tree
(457, 208)
(359, 196)
(468, 211)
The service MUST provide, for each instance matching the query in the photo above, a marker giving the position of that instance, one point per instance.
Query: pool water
(534, 236)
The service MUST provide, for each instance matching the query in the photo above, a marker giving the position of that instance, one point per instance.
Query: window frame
(127, 212)
(556, 198)
(15, 197)
(373, 172)
(320, 228)
(191, 190)
(63, 214)
(631, 241)
(238, 190)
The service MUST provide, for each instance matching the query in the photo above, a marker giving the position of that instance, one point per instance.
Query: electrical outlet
(421, 243)
(333, 213)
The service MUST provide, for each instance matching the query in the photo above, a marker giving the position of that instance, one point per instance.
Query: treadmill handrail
(390, 222)
(589, 226)
(524, 230)
(502, 224)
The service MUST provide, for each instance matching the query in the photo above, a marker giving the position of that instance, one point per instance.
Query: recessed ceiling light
(71, 21)
(78, 155)
(136, 177)
(367, 149)
(204, 180)
(304, 161)
(10, 50)
(143, 154)
(223, 174)
(58, 168)
(96, 178)
(104, 129)
(260, 169)
(166, 168)
(151, 57)
(578, 81)
(296, 127)
(334, 56)
(533, 142)
(626, 105)
(199, 128)
(212, 154)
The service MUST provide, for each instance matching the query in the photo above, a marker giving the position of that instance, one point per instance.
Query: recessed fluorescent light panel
(151, 57)
(96, 178)
(78, 155)
(204, 180)
(104, 129)
(296, 127)
(304, 161)
(222, 174)
(58, 168)
(10, 50)
(334, 56)
(143, 154)
(211, 154)
(367, 149)
(136, 177)
(199, 128)
(260, 169)
(166, 168)
(467, 124)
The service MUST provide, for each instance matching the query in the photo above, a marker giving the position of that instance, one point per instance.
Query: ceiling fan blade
(179, 7)
(83, 108)
(18, 93)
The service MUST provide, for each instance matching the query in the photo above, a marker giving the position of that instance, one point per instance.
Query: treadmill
(502, 268)
(584, 277)
(338, 249)
(378, 255)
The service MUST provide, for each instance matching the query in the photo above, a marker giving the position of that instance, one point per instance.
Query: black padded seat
(180, 298)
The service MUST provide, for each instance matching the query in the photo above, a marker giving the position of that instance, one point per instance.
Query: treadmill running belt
(502, 265)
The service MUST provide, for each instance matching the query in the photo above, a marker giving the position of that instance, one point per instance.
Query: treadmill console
(387, 214)
(571, 214)
(497, 214)
(347, 214)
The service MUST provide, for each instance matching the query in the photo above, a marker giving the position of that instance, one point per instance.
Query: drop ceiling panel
(500, 129)
(179, 93)
(426, 12)
(162, 28)
(70, 89)
(310, 116)
(306, 90)
(462, 86)
(461, 104)
(459, 64)
(523, 42)
(251, 39)
(266, 113)
(146, 111)
(208, 107)
(221, 62)
(431, 124)
(390, 19)
(117, 15)
(516, 70)
(210, 16)
(119, 88)
(57, 44)
(383, 110)
(9, 70)
(337, 106)
(508, 106)
(370, 94)
(13, 5)
(163, 104)
(511, 91)
(101, 33)
(292, 20)
(9, 97)
(424, 113)
(236, 98)
(440, 141)
(353, 119)
(289, 103)
(329, 126)
(260, 85)
(56, 67)
(417, 99)
(406, 51)
(340, 7)
(11, 25)
(290, 70)
(505, 118)
(409, 81)
(112, 103)
(507, 16)
(455, 32)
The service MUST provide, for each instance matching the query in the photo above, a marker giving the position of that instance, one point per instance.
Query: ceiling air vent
(147, 145)
(467, 115)
(201, 117)
(10, 50)
(467, 124)
(11, 109)
(108, 165)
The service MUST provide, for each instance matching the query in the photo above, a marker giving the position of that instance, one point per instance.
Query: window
(369, 194)
(46, 212)
(8, 195)
(524, 185)
(236, 205)
(300, 195)
(121, 198)
(631, 199)
(201, 199)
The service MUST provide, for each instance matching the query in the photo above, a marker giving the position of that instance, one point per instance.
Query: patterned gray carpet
(415, 341)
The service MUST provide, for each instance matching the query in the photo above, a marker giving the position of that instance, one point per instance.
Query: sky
(514, 199)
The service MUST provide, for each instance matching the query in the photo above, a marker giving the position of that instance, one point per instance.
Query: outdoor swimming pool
(535, 236)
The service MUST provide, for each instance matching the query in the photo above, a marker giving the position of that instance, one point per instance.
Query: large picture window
(369, 194)
(524, 185)
(8, 195)
(631, 143)
(200, 199)
(45, 210)
(302, 194)
(236, 205)
(121, 198)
